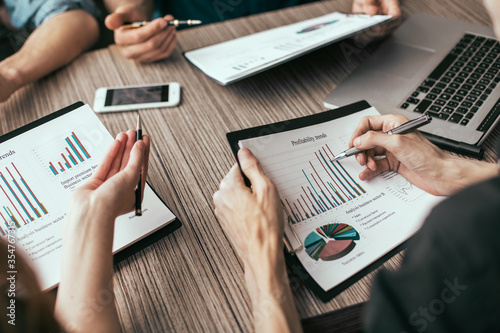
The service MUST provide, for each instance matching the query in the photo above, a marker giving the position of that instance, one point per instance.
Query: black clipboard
(132, 248)
(288, 125)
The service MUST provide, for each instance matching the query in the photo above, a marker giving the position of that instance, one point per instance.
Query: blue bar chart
(326, 184)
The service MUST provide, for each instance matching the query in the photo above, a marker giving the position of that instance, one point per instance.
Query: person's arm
(414, 157)
(253, 221)
(150, 43)
(55, 43)
(85, 298)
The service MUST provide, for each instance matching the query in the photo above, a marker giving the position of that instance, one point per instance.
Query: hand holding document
(239, 58)
(337, 225)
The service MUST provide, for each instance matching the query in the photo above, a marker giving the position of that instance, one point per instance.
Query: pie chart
(331, 241)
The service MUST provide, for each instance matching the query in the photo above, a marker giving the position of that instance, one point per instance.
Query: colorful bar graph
(74, 153)
(24, 205)
(323, 191)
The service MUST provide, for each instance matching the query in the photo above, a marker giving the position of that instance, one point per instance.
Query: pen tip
(139, 124)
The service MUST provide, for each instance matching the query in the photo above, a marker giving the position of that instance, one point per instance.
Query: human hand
(153, 42)
(411, 155)
(253, 221)
(110, 191)
(378, 7)
(88, 236)
(252, 218)
(374, 7)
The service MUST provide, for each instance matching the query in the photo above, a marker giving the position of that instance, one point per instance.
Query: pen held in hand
(175, 23)
(407, 127)
(138, 189)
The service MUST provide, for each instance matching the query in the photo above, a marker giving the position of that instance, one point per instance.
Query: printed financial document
(238, 58)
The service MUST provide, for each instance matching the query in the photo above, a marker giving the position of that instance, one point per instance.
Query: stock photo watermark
(11, 274)
(424, 315)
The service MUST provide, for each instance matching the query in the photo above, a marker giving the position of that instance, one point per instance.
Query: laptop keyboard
(461, 83)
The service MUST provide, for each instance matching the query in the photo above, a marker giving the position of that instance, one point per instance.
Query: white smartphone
(112, 99)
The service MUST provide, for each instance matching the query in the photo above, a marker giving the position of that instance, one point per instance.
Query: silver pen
(402, 129)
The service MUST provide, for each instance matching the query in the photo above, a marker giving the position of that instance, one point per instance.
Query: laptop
(445, 68)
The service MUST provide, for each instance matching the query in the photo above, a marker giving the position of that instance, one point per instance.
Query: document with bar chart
(40, 166)
(338, 223)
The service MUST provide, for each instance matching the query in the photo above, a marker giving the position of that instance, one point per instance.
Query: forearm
(146, 6)
(272, 301)
(55, 43)
(85, 299)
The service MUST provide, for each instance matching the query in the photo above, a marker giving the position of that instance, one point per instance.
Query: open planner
(239, 58)
(338, 226)
(41, 164)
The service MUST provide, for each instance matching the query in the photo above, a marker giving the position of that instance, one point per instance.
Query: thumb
(251, 168)
(372, 139)
(134, 165)
(115, 20)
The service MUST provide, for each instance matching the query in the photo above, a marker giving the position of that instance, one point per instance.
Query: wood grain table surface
(192, 280)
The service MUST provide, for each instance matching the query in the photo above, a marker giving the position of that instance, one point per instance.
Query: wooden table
(192, 280)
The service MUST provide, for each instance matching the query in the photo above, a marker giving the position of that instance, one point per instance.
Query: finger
(115, 166)
(252, 169)
(145, 162)
(382, 166)
(391, 7)
(105, 165)
(377, 123)
(369, 7)
(131, 138)
(135, 163)
(233, 179)
(115, 20)
(384, 142)
(150, 48)
(361, 158)
(128, 37)
(164, 50)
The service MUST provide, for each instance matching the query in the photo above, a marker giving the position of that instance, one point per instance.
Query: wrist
(11, 78)
(90, 216)
(460, 173)
(265, 274)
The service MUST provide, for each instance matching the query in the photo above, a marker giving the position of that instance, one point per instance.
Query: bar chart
(19, 205)
(323, 185)
(63, 154)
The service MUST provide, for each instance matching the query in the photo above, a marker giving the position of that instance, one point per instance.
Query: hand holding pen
(406, 127)
(154, 41)
(411, 154)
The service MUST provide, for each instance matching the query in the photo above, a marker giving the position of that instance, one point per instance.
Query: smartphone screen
(142, 95)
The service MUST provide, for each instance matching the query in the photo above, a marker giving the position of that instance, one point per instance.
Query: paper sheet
(235, 59)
